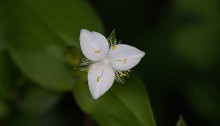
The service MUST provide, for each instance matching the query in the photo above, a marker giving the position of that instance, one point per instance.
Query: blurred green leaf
(7, 72)
(205, 8)
(112, 38)
(81, 75)
(19, 119)
(38, 101)
(60, 115)
(2, 26)
(4, 110)
(203, 98)
(73, 55)
(4, 76)
(123, 105)
(199, 45)
(40, 31)
(197, 41)
(181, 122)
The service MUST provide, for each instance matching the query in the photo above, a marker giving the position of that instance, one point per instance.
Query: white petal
(125, 57)
(101, 78)
(93, 44)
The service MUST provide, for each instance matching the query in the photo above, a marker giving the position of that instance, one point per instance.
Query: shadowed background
(39, 48)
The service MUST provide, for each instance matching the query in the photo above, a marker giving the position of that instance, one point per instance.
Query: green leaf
(4, 76)
(203, 98)
(181, 122)
(38, 101)
(205, 8)
(73, 55)
(58, 116)
(5, 110)
(123, 105)
(197, 41)
(198, 45)
(112, 38)
(7, 76)
(40, 31)
(2, 26)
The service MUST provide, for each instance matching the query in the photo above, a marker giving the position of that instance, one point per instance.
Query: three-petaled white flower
(105, 62)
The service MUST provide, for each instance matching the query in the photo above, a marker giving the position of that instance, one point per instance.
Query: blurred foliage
(40, 54)
(120, 107)
(198, 40)
(5, 74)
(38, 101)
(56, 116)
(36, 34)
(73, 55)
(203, 97)
(39, 35)
(181, 122)
(4, 110)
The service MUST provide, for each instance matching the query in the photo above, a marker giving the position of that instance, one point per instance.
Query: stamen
(98, 79)
(97, 51)
(125, 60)
(123, 75)
(120, 74)
(114, 47)
(86, 64)
(88, 69)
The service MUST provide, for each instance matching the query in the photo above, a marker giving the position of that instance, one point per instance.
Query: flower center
(106, 61)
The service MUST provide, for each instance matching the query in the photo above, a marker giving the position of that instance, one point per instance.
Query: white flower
(105, 62)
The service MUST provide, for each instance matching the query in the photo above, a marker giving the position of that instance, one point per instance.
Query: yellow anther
(97, 51)
(122, 75)
(88, 69)
(98, 79)
(114, 47)
(125, 60)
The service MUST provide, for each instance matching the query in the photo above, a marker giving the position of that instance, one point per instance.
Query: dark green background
(181, 68)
